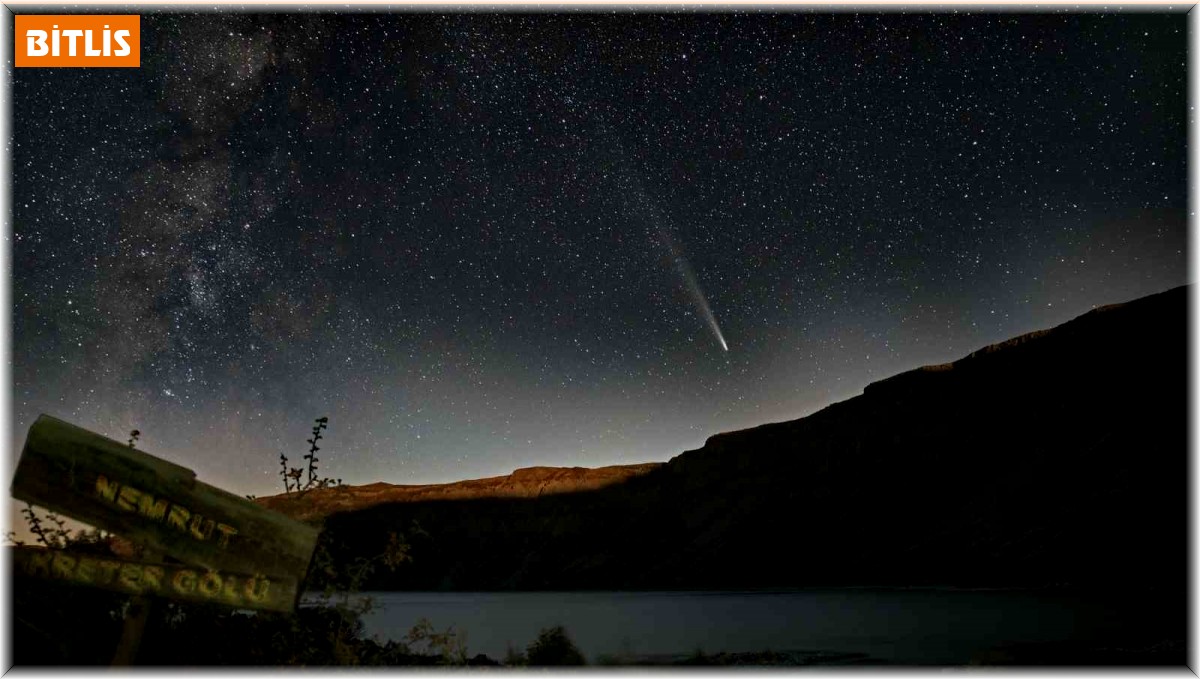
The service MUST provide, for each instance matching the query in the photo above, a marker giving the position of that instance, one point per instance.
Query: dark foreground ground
(57, 625)
(1067, 654)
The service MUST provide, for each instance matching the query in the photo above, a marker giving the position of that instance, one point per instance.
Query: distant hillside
(1055, 458)
(527, 482)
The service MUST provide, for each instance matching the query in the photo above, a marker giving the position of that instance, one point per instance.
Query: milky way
(481, 242)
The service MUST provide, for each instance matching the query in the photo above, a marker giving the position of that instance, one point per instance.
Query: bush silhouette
(553, 647)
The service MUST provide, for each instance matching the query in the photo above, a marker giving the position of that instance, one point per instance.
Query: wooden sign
(151, 501)
(169, 581)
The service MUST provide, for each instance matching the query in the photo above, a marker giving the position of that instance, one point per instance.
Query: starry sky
(483, 241)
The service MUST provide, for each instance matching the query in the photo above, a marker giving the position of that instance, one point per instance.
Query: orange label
(74, 40)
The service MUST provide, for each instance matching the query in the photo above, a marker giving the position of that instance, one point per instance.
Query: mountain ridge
(522, 482)
(319, 503)
(1055, 457)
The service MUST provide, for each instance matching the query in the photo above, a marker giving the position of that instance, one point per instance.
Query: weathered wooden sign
(111, 486)
(169, 581)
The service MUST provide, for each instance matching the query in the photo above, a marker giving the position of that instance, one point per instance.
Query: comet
(693, 286)
(641, 207)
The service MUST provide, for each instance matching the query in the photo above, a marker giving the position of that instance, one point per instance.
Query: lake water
(906, 626)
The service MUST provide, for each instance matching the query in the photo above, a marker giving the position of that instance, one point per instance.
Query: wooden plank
(169, 581)
(132, 631)
(148, 500)
(136, 618)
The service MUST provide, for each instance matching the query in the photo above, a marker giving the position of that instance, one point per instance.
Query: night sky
(489, 241)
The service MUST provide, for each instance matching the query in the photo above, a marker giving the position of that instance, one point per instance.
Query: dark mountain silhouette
(1057, 458)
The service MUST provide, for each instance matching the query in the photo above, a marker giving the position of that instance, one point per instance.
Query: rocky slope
(522, 483)
(1059, 457)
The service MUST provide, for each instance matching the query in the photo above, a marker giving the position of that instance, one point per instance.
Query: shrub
(554, 647)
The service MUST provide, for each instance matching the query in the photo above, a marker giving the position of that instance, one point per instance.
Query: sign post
(135, 623)
(233, 551)
(157, 503)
